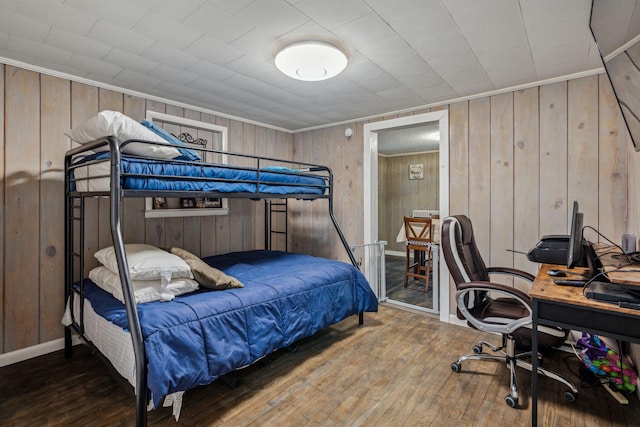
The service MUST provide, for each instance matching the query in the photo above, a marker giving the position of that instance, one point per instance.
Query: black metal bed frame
(74, 211)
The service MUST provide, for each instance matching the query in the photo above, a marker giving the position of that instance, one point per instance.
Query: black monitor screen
(575, 237)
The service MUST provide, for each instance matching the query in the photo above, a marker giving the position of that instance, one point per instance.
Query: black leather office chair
(494, 307)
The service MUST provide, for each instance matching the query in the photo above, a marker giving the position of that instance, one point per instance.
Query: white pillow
(146, 262)
(144, 290)
(113, 123)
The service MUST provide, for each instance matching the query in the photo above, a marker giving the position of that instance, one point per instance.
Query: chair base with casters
(507, 353)
(492, 306)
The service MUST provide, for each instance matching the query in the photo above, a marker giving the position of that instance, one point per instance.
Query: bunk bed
(195, 336)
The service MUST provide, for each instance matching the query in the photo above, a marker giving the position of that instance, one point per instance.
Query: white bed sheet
(91, 171)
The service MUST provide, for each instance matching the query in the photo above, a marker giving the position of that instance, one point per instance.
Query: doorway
(374, 135)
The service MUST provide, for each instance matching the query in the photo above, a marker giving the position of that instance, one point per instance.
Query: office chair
(419, 233)
(494, 307)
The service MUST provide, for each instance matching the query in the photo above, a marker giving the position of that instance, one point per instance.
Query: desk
(567, 307)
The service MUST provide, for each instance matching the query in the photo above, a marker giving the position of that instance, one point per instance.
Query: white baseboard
(34, 351)
(395, 253)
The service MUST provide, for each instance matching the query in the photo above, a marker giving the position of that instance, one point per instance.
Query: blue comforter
(198, 337)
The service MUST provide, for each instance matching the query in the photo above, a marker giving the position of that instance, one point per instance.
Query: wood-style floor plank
(393, 371)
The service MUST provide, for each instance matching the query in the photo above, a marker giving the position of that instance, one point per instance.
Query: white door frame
(370, 167)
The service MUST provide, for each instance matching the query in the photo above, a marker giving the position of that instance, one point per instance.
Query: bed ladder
(276, 222)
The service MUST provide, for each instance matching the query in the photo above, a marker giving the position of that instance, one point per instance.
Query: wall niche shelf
(197, 135)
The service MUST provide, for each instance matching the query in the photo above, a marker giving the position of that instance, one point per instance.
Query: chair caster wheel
(511, 401)
(477, 349)
(570, 396)
(455, 367)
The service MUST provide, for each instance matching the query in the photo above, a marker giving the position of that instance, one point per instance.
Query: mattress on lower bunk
(198, 337)
(163, 175)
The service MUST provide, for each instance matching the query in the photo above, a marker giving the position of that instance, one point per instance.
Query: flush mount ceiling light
(311, 60)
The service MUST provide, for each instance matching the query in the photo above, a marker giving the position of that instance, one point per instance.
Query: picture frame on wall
(208, 202)
(187, 203)
(416, 171)
(159, 203)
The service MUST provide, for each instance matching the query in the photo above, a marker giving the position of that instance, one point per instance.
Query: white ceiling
(218, 54)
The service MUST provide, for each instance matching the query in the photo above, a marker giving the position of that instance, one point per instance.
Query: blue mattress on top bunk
(198, 337)
(161, 175)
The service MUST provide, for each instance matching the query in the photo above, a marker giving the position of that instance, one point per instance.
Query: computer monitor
(574, 254)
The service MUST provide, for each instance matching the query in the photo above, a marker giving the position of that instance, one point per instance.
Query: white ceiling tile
(124, 13)
(136, 79)
(250, 66)
(177, 90)
(213, 51)
(167, 31)
(210, 71)
(272, 17)
(168, 55)
(367, 30)
(324, 12)
(19, 56)
(130, 61)
(176, 10)
(93, 65)
(217, 23)
(258, 44)
(24, 26)
(120, 37)
(4, 40)
(62, 68)
(57, 14)
(232, 6)
(172, 74)
(8, 5)
(38, 50)
(76, 43)
(210, 86)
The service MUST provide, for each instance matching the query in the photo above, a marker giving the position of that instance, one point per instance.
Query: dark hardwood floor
(414, 293)
(393, 371)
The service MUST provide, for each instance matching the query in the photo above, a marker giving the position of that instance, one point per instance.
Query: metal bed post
(127, 291)
(68, 257)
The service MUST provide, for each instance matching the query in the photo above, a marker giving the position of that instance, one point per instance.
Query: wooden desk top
(544, 288)
(617, 267)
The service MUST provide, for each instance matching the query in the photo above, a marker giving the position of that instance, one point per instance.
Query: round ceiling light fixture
(311, 60)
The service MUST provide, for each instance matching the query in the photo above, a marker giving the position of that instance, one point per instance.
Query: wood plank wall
(401, 196)
(37, 109)
(517, 161)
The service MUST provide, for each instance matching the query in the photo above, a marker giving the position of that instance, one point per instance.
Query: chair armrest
(465, 289)
(511, 272)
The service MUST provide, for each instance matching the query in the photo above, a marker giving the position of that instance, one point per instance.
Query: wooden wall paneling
(133, 222)
(612, 157)
(192, 226)
(222, 221)
(2, 206)
(582, 149)
(352, 226)
(316, 208)
(526, 157)
(501, 180)
(337, 139)
(84, 105)
(174, 226)
(208, 223)
(55, 116)
(260, 149)
(280, 150)
(329, 235)
(22, 215)
(459, 158)
(236, 219)
(249, 207)
(155, 229)
(107, 100)
(302, 243)
(553, 159)
(479, 173)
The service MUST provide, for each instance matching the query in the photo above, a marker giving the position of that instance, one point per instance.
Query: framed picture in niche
(187, 203)
(416, 171)
(159, 203)
(208, 202)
